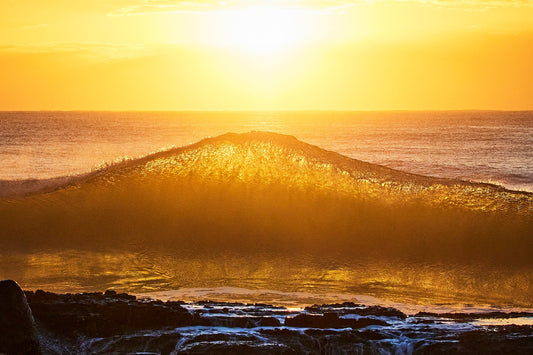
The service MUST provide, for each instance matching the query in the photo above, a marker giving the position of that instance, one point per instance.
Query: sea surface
(472, 145)
(180, 246)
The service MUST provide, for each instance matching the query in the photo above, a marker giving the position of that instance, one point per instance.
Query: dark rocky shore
(110, 322)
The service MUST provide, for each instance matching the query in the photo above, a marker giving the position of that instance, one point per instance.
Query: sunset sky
(266, 55)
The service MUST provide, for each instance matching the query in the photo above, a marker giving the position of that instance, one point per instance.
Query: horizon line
(280, 110)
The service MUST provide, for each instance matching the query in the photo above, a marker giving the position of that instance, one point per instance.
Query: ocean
(269, 218)
(480, 146)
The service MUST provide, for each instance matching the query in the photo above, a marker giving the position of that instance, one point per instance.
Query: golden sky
(266, 55)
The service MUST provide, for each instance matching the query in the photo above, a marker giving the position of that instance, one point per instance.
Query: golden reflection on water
(504, 321)
(415, 283)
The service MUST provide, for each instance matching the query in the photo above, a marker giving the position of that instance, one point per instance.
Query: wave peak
(260, 159)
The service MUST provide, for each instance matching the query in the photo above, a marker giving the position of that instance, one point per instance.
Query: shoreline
(301, 300)
(99, 323)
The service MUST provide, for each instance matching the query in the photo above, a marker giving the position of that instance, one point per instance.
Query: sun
(264, 29)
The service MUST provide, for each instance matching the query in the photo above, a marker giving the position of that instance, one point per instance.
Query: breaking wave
(258, 194)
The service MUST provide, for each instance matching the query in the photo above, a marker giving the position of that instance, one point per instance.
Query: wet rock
(379, 311)
(123, 296)
(353, 308)
(236, 348)
(269, 322)
(103, 323)
(266, 306)
(329, 341)
(231, 343)
(321, 308)
(231, 322)
(156, 342)
(330, 320)
(18, 334)
(102, 315)
(240, 321)
(207, 303)
(373, 335)
(493, 340)
(279, 332)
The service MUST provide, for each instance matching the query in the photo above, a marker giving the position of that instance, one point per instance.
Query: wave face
(283, 203)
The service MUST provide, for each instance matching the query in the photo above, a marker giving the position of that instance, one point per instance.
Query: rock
(232, 348)
(240, 321)
(379, 311)
(110, 293)
(18, 334)
(110, 322)
(359, 309)
(149, 342)
(103, 315)
(269, 322)
(231, 322)
(338, 306)
(510, 339)
(330, 320)
(231, 343)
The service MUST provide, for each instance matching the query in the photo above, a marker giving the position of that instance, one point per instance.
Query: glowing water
(266, 211)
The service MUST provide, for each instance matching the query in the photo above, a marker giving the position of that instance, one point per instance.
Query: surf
(285, 204)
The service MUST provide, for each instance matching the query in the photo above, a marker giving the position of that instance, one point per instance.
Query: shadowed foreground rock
(330, 320)
(105, 323)
(17, 327)
(101, 315)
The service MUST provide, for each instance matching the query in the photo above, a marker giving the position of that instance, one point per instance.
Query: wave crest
(269, 191)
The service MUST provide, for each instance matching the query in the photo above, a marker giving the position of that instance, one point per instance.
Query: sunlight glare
(264, 29)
